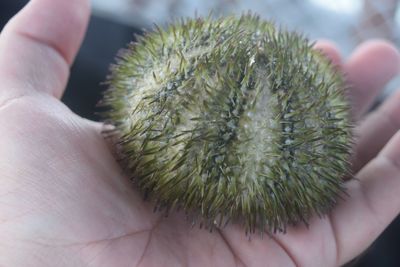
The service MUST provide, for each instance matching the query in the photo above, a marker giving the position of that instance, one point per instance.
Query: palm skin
(64, 200)
(72, 206)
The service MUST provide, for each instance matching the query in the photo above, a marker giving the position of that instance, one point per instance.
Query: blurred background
(114, 23)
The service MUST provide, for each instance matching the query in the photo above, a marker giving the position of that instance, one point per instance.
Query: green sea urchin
(231, 119)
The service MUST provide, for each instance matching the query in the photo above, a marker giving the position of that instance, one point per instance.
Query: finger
(370, 67)
(39, 44)
(330, 50)
(376, 130)
(372, 204)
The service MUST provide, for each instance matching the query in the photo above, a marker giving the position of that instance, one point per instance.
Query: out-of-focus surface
(347, 22)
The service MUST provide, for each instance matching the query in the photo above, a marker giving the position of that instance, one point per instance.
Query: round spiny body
(231, 119)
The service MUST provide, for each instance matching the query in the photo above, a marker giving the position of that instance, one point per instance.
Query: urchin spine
(231, 119)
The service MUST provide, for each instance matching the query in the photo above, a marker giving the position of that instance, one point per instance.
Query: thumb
(39, 44)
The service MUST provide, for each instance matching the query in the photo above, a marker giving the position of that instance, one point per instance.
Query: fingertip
(371, 66)
(330, 50)
(379, 53)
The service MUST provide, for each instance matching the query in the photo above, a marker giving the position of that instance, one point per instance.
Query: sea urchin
(231, 119)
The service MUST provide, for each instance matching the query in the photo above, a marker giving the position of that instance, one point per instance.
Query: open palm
(64, 200)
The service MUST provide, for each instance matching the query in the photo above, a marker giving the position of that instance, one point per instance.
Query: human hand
(65, 202)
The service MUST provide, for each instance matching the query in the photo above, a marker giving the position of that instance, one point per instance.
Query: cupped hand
(64, 200)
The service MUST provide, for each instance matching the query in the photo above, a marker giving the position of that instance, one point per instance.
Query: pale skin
(65, 202)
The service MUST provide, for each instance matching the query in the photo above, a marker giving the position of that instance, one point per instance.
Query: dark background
(102, 42)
